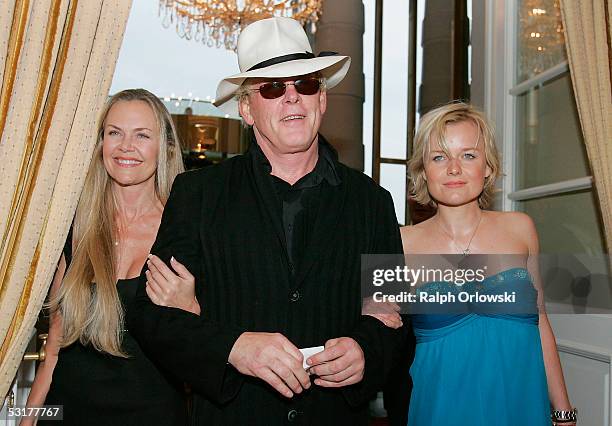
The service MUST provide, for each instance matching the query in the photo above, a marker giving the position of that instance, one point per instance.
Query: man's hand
(386, 312)
(167, 288)
(342, 363)
(272, 358)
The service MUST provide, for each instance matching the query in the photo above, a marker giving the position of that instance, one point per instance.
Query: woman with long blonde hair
(94, 368)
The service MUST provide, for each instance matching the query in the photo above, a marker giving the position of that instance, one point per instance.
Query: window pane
(393, 179)
(394, 98)
(195, 76)
(567, 223)
(550, 145)
(369, 9)
(540, 37)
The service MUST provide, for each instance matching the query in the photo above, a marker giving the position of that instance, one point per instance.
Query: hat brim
(333, 68)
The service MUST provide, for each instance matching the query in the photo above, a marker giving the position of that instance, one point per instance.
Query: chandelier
(542, 42)
(219, 22)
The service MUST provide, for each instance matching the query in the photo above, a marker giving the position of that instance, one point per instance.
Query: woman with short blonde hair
(432, 127)
(476, 364)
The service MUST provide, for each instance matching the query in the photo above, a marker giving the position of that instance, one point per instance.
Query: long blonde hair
(87, 299)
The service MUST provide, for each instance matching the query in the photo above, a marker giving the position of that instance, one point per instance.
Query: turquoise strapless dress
(480, 369)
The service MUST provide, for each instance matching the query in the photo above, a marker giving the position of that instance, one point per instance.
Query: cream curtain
(57, 58)
(589, 50)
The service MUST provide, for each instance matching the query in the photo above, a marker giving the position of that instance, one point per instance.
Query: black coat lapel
(268, 201)
(330, 211)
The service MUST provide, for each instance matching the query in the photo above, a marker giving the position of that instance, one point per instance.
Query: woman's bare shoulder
(411, 230)
(515, 221)
(517, 227)
(413, 235)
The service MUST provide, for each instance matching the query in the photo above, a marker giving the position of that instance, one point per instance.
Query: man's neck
(291, 167)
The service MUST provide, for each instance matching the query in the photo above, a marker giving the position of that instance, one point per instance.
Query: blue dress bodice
(517, 280)
(479, 365)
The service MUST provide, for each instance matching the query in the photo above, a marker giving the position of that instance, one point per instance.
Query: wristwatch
(560, 417)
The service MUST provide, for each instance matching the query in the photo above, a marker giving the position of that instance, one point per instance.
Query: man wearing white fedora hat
(274, 240)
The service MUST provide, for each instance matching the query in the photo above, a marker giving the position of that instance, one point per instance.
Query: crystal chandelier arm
(220, 21)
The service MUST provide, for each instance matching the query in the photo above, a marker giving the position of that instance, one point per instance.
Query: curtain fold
(589, 49)
(57, 58)
(10, 47)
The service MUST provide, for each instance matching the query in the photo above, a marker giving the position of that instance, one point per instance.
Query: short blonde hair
(432, 128)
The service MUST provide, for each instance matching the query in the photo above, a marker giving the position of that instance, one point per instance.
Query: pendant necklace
(466, 251)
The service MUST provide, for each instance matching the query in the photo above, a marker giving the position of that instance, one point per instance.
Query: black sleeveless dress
(100, 389)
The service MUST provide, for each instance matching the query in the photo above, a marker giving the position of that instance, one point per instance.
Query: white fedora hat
(277, 48)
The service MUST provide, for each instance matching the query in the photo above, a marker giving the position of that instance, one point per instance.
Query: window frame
(502, 26)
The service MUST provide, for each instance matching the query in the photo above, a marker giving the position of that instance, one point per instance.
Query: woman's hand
(166, 288)
(386, 312)
(27, 421)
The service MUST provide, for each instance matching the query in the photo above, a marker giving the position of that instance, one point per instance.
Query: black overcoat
(224, 223)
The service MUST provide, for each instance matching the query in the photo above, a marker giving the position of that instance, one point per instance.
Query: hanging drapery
(589, 49)
(57, 59)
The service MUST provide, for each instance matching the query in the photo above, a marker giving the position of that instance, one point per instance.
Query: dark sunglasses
(276, 89)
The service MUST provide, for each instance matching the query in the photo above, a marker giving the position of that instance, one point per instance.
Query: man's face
(289, 123)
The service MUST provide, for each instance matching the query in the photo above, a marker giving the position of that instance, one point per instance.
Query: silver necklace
(466, 251)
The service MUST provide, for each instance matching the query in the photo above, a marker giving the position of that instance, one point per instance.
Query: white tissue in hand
(308, 352)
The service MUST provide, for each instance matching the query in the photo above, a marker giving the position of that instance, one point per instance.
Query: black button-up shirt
(299, 203)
